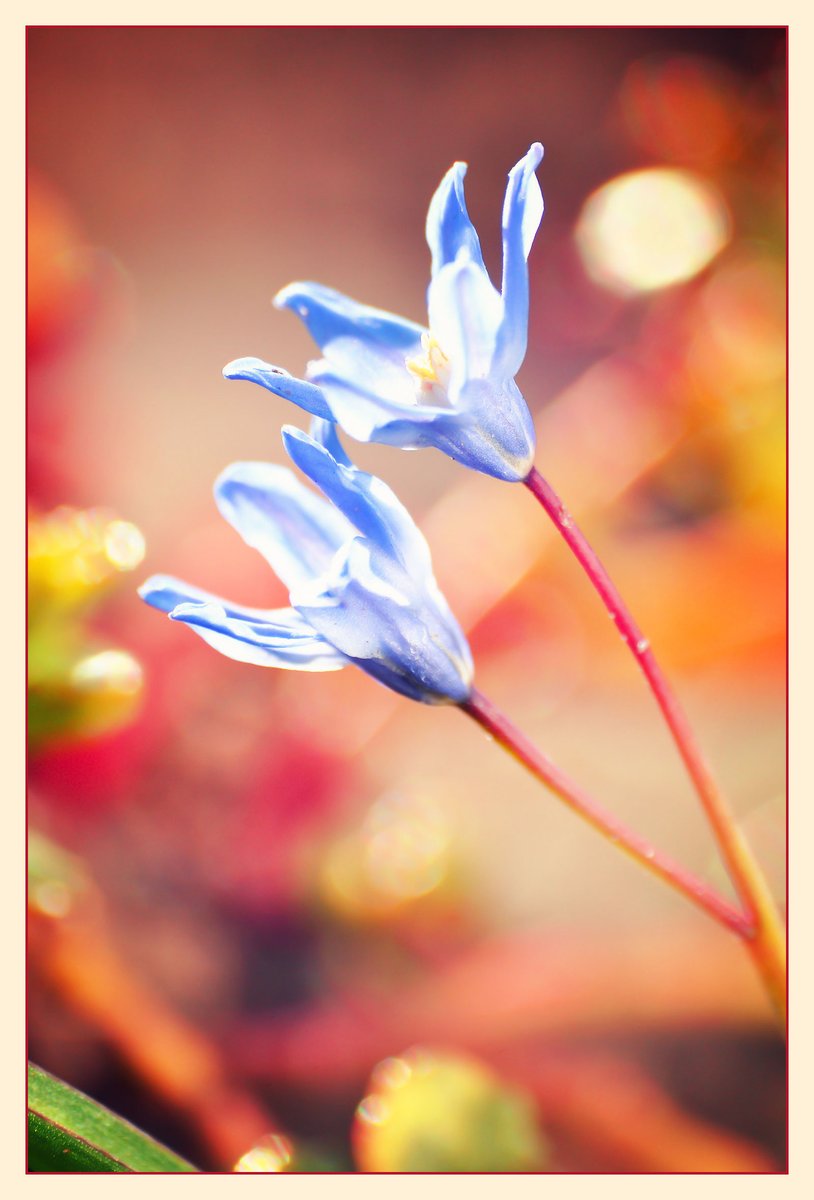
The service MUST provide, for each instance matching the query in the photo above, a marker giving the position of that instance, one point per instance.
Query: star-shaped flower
(385, 379)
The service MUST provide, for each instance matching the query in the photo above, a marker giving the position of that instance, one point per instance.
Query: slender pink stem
(503, 731)
(641, 651)
(768, 934)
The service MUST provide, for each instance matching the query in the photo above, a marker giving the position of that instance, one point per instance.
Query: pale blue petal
(481, 433)
(294, 529)
(522, 213)
(329, 317)
(284, 639)
(367, 502)
(371, 417)
(407, 639)
(385, 378)
(449, 228)
(465, 315)
(365, 344)
(523, 203)
(326, 433)
(165, 593)
(497, 436)
(278, 381)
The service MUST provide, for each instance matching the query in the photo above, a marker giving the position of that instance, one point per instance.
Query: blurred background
(293, 922)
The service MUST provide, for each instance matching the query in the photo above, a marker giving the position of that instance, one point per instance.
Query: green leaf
(69, 1132)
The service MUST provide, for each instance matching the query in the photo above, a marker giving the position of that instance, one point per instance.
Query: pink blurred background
(178, 178)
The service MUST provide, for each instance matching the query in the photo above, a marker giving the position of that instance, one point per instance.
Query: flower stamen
(431, 368)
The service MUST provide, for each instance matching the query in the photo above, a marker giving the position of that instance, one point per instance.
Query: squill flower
(358, 572)
(385, 379)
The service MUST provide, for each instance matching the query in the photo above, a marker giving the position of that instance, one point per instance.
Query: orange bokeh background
(271, 840)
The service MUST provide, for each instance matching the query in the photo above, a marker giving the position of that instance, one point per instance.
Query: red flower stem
(765, 931)
(518, 745)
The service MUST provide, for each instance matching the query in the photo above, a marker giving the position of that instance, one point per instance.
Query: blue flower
(358, 572)
(386, 379)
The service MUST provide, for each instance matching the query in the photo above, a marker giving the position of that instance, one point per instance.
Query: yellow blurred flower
(74, 553)
(440, 1111)
(75, 686)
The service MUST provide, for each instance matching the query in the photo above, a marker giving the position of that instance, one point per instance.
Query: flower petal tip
(292, 433)
(161, 592)
(146, 589)
(290, 297)
(245, 368)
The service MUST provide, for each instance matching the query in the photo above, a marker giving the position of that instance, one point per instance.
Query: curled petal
(295, 531)
(367, 502)
(284, 639)
(276, 380)
(330, 317)
(522, 213)
(165, 593)
(449, 228)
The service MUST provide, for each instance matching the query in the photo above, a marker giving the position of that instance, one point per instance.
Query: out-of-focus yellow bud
(107, 686)
(76, 689)
(89, 695)
(438, 1111)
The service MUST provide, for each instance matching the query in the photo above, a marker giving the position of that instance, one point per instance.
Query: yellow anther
(432, 366)
(421, 367)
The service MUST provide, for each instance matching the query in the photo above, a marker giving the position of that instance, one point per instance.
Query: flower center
(430, 370)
